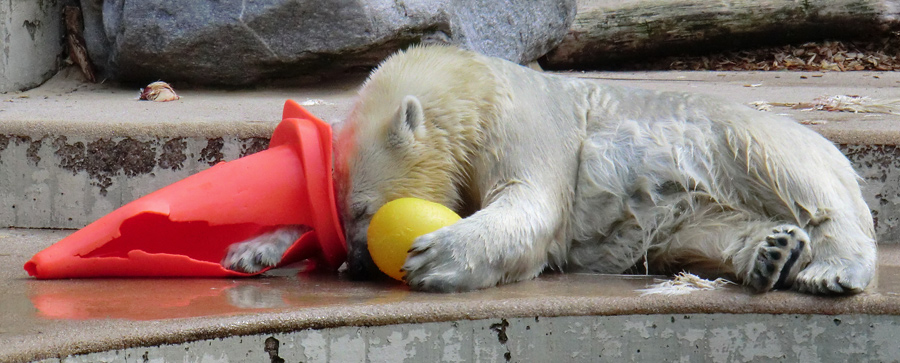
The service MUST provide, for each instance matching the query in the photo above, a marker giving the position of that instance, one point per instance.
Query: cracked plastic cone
(185, 228)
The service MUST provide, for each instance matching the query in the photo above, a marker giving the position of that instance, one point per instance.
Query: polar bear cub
(553, 172)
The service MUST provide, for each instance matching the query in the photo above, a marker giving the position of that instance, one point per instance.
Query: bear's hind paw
(780, 258)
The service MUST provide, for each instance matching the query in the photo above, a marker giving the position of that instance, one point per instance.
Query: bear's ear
(409, 122)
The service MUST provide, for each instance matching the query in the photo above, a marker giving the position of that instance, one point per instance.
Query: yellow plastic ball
(396, 225)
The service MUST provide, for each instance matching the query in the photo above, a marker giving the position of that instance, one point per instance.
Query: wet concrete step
(324, 317)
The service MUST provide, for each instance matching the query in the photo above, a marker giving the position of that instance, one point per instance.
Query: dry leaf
(158, 91)
(75, 41)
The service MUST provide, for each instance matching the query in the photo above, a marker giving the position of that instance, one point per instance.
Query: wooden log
(609, 32)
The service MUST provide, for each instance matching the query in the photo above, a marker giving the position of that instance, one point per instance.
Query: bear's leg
(262, 251)
(762, 254)
(511, 239)
(831, 258)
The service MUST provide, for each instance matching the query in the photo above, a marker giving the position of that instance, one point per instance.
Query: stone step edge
(130, 334)
(162, 130)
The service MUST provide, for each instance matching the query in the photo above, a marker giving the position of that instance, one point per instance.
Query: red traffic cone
(185, 228)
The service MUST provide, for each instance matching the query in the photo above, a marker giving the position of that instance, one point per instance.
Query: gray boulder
(240, 42)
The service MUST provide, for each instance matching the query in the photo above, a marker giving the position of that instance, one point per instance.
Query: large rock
(235, 42)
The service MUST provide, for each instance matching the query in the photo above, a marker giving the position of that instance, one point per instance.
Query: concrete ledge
(73, 152)
(787, 87)
(67, 106)
(128, 317)
(634, 338)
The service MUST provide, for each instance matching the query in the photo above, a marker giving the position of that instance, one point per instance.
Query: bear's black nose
(360, 266)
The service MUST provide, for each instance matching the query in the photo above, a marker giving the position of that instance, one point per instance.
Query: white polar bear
(559, 173)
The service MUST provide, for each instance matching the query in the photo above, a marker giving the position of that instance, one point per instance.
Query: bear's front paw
(843, 277)
(442, 261)
(780, 258)
(266, 250)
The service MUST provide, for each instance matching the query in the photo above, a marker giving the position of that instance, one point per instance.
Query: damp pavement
(63, 150)
(111, 319)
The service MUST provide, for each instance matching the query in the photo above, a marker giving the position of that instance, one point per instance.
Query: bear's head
(382, 155)
(418, 121)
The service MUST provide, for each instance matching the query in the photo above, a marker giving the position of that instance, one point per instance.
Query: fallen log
(610, 32)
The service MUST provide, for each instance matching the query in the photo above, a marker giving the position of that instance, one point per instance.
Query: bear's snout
(359, 262)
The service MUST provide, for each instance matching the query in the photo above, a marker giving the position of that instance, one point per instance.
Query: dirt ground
(881, 54)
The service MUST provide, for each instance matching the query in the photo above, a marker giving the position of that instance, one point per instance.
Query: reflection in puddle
(287, 290)
(150, 299)
(254, 297)
(285, 296)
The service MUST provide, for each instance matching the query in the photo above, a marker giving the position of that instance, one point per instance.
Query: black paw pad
(792, 259)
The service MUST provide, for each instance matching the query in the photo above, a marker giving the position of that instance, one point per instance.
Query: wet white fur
(262, 251)
(569, 174)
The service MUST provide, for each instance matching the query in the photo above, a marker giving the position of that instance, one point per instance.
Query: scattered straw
(845, 103)
(684, 283)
